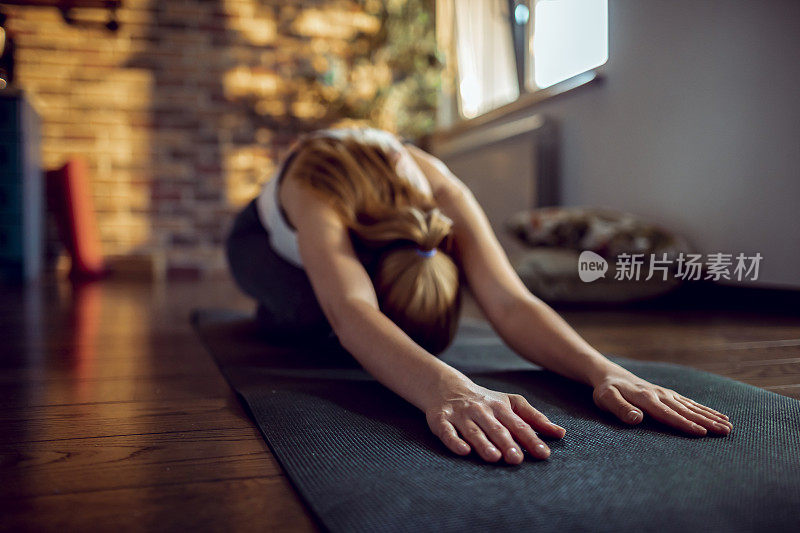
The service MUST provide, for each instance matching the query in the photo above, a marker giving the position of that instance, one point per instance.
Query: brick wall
(183, 113)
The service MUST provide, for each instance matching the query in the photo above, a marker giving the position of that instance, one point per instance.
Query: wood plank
(136, 365)
(782, 372)
(61, 467)
(114, 343)
(792, 391)
(249, 504)
(687, 329)
(678, 339)
(24, 395)
(711, 357)
(37, 424)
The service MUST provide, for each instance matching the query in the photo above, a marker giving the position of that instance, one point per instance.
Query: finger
(666, 415)
(477, 439)
(716, 418)
(699, 418)
(498, 434)
(703, 407)
(612, 400)
(537, 420)
(447, 434)
(523, 433)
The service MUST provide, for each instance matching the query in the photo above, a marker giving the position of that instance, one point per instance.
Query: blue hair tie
(426, 253)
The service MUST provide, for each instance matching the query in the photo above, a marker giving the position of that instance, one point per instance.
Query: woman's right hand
(466, 416)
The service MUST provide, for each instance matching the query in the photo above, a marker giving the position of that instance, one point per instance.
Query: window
(505, 48)
(569, 37)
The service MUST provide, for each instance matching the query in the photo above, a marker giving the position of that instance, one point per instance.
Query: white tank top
(282, 236)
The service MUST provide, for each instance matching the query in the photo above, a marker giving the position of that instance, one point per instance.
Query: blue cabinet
(21, 190)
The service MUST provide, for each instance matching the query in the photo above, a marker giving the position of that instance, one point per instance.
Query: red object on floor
(72, 203)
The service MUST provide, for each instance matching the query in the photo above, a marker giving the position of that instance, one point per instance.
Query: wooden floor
(113, 416)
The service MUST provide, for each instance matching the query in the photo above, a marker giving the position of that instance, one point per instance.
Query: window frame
(521, 35)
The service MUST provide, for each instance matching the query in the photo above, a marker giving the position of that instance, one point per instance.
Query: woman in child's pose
(365, 238)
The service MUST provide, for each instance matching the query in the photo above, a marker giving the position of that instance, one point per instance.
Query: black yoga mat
(364, 460)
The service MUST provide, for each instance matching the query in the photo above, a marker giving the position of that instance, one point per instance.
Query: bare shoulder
(442, 180)
(301, 203)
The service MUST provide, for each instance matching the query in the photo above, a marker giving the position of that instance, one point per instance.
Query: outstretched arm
(535, 331)
(462, 414)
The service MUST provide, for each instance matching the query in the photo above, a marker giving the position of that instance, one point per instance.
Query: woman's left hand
(629, 397)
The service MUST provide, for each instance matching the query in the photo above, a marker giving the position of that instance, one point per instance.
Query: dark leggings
(287, 306)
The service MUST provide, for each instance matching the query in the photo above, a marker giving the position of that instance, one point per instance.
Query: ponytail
(407, 223)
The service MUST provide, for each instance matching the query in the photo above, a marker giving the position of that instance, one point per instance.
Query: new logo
(591, 266)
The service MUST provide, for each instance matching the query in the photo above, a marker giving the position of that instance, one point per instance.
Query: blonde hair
(385, 213)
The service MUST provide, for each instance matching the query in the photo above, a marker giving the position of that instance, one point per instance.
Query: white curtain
(487, 76)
